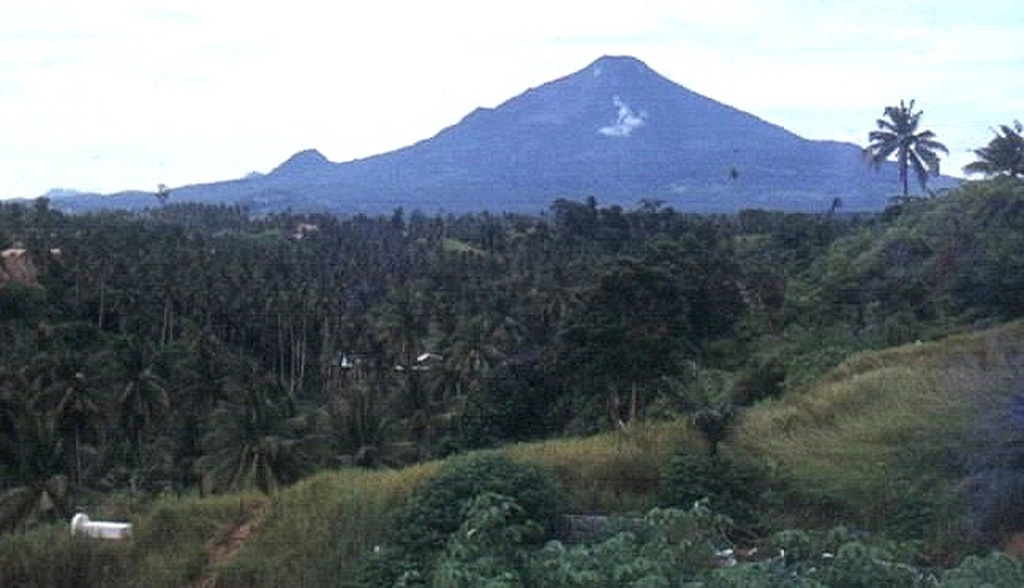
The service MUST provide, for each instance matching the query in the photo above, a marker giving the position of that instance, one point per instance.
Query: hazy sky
(108, 95)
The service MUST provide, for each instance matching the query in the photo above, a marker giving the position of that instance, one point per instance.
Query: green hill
(878, 443)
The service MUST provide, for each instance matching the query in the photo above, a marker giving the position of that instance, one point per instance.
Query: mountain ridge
(615, 130)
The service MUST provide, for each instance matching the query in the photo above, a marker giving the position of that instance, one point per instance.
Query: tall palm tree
(143, 400)
(34, 485)
(74, 402)
(253, 441)
(1004, 154)
(898, 133)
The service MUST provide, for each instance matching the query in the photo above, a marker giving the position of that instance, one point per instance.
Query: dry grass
(318, 529)
(885, 421)
(171, 543)
(616, 472)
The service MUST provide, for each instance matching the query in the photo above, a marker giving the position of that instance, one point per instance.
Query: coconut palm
(898, 133)
(358, 421)
(1004, 154)
(477, 348)
(253, 441)
(35, 487)
(71, 398)
(143, 400)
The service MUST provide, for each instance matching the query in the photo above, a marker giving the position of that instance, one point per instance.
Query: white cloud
(626, 120)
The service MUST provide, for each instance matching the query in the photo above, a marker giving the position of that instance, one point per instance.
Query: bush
(50, 556)
(489, 549)
(996, 570)
(438, 508)
(671, 547)
(860, 565)
(733, 489)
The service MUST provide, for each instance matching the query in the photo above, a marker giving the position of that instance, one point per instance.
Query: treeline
(199, 347)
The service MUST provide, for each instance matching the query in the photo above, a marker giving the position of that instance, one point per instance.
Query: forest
(191, 349)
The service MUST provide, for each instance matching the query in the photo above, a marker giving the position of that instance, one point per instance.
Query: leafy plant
(734, 489)
(441, 506)
(49, 556)
(674, 546)
(995, 570)
(491, 546)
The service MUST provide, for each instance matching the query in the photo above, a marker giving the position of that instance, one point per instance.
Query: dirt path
(225, 545)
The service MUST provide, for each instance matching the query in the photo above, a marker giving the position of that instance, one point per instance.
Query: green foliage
(915, 150)
(860, 565)
(599, 304)
(49, 556)
(615, 472)
(735, 489)
(1004, 154)
(252, 444)
(440, 507)
(318, 531)
(193, 344)
(938, 263)
(709, 399)
(675, 546)
(19, 302)
(490, 548)
(995, 570)
(881, 441)
(171, 541)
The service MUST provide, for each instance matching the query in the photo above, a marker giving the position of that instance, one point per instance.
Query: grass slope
(884, 435)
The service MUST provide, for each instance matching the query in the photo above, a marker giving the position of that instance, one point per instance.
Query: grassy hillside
(885, 436)
(878, 443)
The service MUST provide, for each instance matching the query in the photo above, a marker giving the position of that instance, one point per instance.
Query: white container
(81, 525)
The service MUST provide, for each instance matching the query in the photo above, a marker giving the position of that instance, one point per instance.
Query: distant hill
(615, 130)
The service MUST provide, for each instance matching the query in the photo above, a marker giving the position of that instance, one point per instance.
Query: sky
(110, 95)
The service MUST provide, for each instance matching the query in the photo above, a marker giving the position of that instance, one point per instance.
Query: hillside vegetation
(273, 393)
(880, 443)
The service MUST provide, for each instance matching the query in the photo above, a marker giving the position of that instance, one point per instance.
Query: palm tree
(898, 133)
(143, 400)
(1004, 154)
(75, 404)
(34, 487)
(709, 399)
(477, 349)
(254, 441)
(359, 423)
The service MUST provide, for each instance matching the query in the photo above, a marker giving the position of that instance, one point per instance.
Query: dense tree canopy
(198, 347)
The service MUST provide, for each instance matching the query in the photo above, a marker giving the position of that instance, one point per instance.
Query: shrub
(438, 508)
(996, 570)
(671, 547)
(489, 548)
(736, 490)
(49, 556)
(860, 565)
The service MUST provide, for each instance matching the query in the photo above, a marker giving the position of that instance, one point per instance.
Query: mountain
(615, 130)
